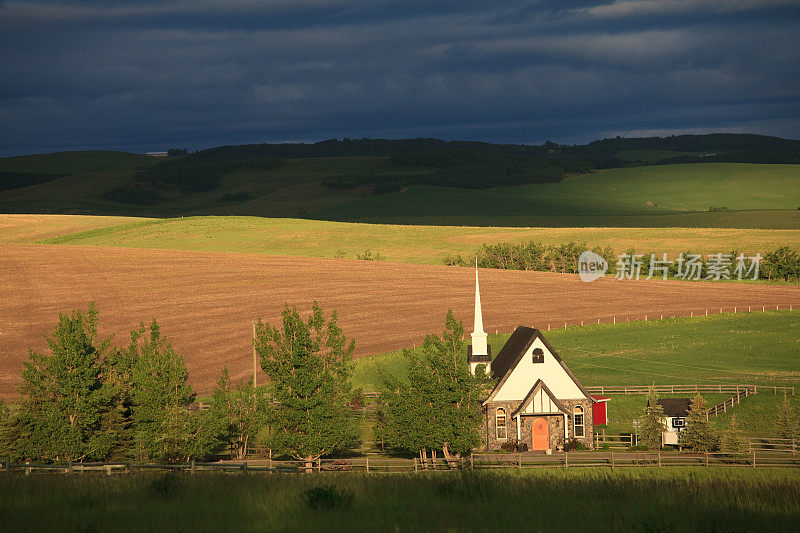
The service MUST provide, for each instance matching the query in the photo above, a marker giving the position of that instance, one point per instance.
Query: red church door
(541, 434)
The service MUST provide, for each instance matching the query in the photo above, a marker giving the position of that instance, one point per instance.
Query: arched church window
(538, 355)
(500, 424)
(577, 419)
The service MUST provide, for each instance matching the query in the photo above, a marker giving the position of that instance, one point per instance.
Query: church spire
(478, 328)
(479, 351)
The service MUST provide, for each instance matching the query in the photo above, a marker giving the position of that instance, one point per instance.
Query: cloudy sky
(147, 75)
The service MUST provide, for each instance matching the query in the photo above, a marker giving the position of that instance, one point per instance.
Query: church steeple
(479, 351)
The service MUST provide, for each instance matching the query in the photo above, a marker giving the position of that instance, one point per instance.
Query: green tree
(698, 435)
(732, 439)
(164, 428)
(787, 421)
(65, 395)
(438, 406)
(242, 411)
(309, 365)
(652, 427)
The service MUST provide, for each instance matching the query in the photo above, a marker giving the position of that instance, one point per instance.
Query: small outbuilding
(675, 411)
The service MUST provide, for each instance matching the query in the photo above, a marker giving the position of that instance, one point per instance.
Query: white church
(536, 403)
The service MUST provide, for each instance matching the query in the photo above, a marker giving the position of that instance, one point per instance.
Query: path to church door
(541, 434)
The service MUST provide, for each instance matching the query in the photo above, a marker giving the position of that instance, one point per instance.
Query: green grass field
(744, 348)
(413, 244)
(756, 196)
(635, 499)
(637, 193)
(759, 348)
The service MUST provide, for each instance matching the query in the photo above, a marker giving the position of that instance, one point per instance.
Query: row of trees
(780, 264)
(90, 400)
(562, 258)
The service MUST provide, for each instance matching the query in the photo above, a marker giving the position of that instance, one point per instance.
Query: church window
(577, 418)
(500, 424)
(538, 355)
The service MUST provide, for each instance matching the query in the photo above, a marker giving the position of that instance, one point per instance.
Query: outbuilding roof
(678, 407)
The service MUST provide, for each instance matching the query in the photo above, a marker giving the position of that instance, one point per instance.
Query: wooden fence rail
(611, 459)
(682, 389)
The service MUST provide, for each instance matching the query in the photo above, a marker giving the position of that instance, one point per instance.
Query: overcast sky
(145, 75)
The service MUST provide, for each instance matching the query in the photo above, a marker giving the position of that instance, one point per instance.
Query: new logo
(591, 266)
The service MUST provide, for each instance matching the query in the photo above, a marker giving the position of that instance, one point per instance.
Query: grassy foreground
(738, 499)
(411, 244)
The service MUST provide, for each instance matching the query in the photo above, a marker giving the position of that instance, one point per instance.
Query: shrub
(328, 498)
(638, 448)
(574, 445)
(509, 446)
(368, 256)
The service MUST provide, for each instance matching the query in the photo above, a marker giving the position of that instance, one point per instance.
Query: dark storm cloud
(148, 75)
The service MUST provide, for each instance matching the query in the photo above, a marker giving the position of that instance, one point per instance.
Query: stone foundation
(555, 425)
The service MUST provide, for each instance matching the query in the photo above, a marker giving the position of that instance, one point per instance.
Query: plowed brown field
(205, 301)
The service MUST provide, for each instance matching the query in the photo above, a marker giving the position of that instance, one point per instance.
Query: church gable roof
(515, 349)
(541, 391)
(512, 350)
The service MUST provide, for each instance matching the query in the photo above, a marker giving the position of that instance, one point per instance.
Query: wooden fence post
(566, 459)
(415, 462)
(471, 462)
(612, 460)
(319, 464)
(270, 460)
(69, 468)
(244, 467)
(706, 457)
(754, 458)
(191, 467)
(659, 457)
(519, 461)
(366, 458)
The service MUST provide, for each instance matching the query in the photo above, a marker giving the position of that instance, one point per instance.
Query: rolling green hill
(412, 244)
(433, 183)
(637, 193)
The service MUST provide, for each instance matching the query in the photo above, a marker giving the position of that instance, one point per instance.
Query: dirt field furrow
(205, 301)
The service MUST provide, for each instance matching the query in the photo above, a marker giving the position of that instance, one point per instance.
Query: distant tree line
(13, 180)
(469, 169)
(562, 258)
(195, 174)
(781, 264)
(187, 174)
(718, 142)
